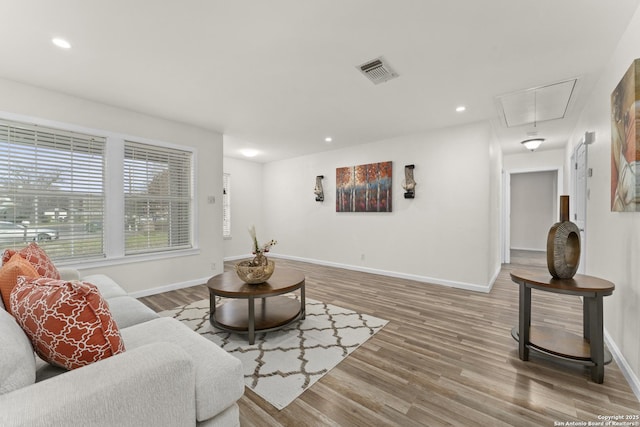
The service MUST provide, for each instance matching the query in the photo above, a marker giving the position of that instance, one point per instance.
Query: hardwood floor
(445, 358)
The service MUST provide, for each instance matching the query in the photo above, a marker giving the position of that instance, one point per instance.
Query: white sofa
(168, 375)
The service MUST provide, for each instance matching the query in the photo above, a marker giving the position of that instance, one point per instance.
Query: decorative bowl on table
(253, 274)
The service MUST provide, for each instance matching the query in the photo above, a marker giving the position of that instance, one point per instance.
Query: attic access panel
(539, 104)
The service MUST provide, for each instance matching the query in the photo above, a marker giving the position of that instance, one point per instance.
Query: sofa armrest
(150, 385)
(67, 273)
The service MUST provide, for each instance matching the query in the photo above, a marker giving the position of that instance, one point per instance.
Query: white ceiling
(281, 75)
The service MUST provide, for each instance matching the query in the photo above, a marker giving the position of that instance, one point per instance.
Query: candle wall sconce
(409, 184)
(318, 191)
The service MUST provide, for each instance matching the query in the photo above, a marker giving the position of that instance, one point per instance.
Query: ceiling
(279, 76)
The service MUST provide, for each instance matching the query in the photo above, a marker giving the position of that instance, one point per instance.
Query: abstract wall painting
(625, 142)
(364, 188)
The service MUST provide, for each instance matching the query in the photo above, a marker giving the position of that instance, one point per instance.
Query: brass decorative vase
(258, 270)
(563, 245)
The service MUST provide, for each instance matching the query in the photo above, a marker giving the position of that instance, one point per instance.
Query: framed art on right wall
(625, 142)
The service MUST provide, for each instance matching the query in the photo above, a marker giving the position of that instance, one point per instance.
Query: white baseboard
(529, 249)
(626, 370)
(181, 285)
(450, 283)
(167, 288)
(494, 277)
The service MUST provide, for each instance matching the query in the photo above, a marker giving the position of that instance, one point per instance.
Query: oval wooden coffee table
(274, 312)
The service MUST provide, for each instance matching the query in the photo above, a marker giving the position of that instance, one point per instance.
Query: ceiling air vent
(378, 70)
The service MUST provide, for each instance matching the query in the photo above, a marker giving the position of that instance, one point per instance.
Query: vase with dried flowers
(260, 268)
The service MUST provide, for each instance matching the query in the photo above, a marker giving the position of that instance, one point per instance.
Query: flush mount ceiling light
(533, 143)
(61, 43)
(328, 139)
(249, 152)
(461, 108)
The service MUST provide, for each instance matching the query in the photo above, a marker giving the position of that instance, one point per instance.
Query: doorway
(531, 208)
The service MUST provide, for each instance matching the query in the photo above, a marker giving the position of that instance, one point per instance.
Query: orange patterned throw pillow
(68, 322)
(37, 257)
(9, 273)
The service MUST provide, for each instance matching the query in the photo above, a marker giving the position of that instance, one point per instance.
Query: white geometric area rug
(280, 365)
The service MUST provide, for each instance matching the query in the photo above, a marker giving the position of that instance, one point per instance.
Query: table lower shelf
(270, 313)
(561, 344)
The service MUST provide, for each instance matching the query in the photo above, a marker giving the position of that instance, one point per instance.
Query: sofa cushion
(68, 322)
(68, 273)
(44, 370)
(107, 287)
(14, 267)
(127, 311)
(17, 362)
(37, 257)
(219, 376)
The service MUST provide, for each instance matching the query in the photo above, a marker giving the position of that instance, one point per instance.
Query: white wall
(533, 209)
(496, 207)
(246, 206)
(613, 243)
(141, 277)
(542, 160)
(445, 235)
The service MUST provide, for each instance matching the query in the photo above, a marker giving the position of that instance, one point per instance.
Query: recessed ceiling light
(328, 139)
(461, 108)
(61, 43)
(249, 152)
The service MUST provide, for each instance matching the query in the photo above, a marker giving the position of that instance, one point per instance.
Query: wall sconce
(318, 191)
(409, 184)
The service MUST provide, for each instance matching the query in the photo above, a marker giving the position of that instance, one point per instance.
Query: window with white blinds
(157, 198)
(52, 190)
(226, 205)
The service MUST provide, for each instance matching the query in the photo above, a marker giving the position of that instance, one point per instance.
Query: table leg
(212, 308)
(586, 319)
(252, 320)
(524, 323)
(596, 337)
(303, 306)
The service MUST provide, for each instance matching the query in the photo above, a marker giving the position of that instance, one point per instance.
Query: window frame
(113, 215)
(49, 179)
(144, 171)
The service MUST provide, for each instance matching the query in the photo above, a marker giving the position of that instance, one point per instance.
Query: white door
(579, 216)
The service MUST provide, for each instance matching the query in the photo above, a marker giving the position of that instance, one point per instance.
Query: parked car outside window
(19, 232)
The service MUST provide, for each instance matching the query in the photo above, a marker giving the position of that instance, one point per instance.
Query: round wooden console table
(275, 311)
(587, 350)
